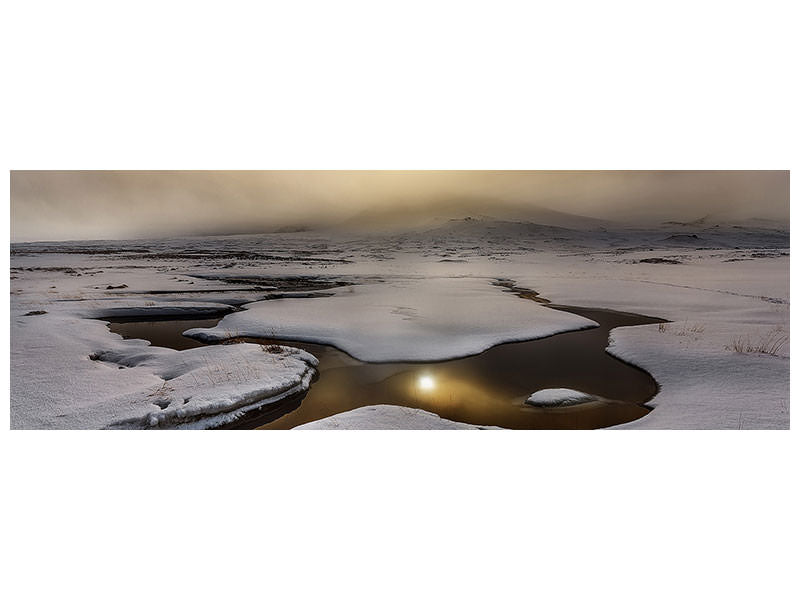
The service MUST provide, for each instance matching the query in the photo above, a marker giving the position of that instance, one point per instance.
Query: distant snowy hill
(485, 231)
(453, 238)
(404, 217)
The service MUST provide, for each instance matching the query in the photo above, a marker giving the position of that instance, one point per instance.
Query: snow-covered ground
(724, 360)
(70, 372)
(428, 295)
(384, 416)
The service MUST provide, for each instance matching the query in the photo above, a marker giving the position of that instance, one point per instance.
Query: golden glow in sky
(58, 205)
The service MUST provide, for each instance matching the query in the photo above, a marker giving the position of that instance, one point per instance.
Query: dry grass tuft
(272, 348)
(772, 343)
(693, 329)
(686, 329)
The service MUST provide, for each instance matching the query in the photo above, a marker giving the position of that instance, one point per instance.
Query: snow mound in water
(384, 416)
(551, 397)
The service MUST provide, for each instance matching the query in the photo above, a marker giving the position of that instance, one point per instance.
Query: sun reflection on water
(426, 383)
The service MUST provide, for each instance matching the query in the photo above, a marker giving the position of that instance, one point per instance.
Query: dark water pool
(167, 333)
(487, 389)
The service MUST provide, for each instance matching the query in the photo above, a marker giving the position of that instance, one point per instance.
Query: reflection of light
(426, 382)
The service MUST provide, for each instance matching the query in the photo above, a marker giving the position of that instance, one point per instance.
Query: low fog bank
(53, 205)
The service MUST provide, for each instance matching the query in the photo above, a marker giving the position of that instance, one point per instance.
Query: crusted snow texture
(71, 373)
(558, 397)
(385, 416)
(402, 320)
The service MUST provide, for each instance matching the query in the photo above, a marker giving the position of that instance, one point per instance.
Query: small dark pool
(486, 389)
(167, 333)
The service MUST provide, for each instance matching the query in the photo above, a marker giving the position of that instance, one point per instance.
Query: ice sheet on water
(404, 319)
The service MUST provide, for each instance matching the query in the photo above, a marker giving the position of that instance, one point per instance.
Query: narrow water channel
(486, 389)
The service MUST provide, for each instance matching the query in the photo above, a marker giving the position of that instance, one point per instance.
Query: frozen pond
(486, 389)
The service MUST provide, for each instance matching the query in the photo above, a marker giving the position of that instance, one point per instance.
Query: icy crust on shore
(174, 310)
(203, 389)
(385, 416)
(724, 361)
(72, 373)
(553, 397)
(705, 384)
(402, 320)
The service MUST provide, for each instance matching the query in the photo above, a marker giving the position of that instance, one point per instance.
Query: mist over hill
(412, 217)
(59, 205)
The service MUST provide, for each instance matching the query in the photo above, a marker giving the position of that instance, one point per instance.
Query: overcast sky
(60, 205)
